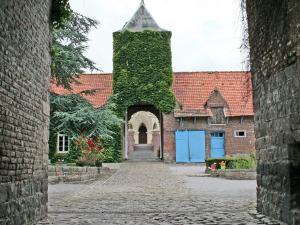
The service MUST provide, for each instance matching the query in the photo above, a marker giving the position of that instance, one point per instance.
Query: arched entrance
(142, 134)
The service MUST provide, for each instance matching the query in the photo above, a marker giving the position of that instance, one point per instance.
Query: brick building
(219, 104)
(213, 116)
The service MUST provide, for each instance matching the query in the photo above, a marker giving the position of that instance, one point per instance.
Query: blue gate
(217, 145)
(190, 146)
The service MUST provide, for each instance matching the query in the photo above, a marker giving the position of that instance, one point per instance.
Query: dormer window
(218, 116)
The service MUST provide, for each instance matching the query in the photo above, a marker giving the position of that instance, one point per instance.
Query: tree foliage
(74, 116)
(142, 70)
(67, 49)
(60, 13)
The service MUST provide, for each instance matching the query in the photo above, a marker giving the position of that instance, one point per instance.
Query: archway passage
(143, 139)
(142, 134)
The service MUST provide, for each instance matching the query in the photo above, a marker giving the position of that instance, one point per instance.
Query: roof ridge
(215, 71)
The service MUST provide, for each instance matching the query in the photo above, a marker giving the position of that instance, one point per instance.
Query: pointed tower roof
(142, 20)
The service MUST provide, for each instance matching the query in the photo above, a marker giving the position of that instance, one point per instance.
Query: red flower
(91, 144)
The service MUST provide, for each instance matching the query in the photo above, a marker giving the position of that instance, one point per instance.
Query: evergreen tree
(69, 43)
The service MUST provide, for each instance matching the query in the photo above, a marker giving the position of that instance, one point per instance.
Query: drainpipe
(126, 135)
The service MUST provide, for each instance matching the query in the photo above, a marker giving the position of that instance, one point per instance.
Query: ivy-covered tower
(142, 64)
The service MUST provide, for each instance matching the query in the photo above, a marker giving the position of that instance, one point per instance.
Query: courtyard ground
(155, 193)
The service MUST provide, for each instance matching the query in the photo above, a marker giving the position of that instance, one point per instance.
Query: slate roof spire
(142, 20)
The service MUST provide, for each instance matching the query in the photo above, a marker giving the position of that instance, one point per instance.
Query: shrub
(239, 162)
(245, 162)
(108, 156)
(58, 157)
(74, 153)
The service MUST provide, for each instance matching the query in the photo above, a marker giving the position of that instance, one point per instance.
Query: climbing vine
(142, 71)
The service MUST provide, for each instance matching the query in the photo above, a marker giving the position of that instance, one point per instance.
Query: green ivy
(142, 71)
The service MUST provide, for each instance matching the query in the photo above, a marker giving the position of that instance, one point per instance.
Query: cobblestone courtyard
(155, 193)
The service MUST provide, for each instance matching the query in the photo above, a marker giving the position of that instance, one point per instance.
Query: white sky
(206, 34)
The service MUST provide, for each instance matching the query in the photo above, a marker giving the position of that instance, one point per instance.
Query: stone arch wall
(153, 134)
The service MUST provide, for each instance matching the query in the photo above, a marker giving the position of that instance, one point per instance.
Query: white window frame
(237, 131)
(64, 142)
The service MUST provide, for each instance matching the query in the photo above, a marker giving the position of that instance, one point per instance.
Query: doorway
(143, 134)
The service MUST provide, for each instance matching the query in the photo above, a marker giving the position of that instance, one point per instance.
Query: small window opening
(239, 133)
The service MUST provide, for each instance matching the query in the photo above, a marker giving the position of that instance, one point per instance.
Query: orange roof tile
(191, 89)
(102, 83)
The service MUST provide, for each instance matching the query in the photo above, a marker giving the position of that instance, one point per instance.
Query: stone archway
(144, 128)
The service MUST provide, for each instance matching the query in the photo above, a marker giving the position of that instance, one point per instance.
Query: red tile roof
(102, 83)
(192, 90)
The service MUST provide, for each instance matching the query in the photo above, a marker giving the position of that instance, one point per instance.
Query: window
(62, 143)
(217, 134)
(239, 133)
(218, 116)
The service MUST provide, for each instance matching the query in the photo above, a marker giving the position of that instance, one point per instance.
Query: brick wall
(233, 145)
(169, 123)
(274, 35)
(24, 110)
(156, 142)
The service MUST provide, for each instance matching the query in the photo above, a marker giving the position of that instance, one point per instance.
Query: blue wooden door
(197, 146)
(182, 147)
(217, 145)
(190, 146)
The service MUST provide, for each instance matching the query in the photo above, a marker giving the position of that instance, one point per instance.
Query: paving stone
(152, 193)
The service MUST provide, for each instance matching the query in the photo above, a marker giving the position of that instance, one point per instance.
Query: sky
(206, 34)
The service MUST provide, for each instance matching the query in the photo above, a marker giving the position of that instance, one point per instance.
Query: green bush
(58, 157)
(239, 162)
(75, 152)
(108, 156)
(114, 144)
(245, 162)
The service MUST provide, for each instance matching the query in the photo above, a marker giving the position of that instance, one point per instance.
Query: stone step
(143, 154)
(143, 147)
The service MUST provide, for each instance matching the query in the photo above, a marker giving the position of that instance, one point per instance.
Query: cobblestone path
(154, 193)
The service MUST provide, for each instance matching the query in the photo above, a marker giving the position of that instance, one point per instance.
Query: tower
(142, 63)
